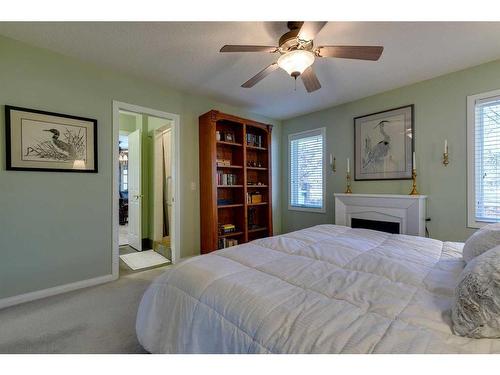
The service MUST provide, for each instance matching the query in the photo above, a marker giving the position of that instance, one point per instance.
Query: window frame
(471, 157)
(305, 134)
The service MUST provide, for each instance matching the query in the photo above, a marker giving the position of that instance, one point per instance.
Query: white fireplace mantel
(407, 210)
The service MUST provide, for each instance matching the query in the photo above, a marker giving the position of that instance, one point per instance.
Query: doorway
(145, 188)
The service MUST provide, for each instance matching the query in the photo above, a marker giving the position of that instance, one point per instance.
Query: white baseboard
(15, 300)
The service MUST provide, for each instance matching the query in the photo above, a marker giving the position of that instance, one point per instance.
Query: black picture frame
(411, 108)
(229, 136)
(9, 109)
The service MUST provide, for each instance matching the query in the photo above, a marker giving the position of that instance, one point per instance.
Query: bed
(325, 289)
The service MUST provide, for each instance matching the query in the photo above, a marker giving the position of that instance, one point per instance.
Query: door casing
(176, 194)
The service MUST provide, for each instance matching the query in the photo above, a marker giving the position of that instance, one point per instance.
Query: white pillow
(482, 240)
(476, 309)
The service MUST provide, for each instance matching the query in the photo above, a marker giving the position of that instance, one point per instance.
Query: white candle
(331, 159)
(414, 161)
(348, 166)
(445, 146)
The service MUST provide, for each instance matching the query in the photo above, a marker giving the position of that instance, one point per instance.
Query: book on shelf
(226, 178)
(254, 140)
(227, 242)
(227, 228)
(224, 202)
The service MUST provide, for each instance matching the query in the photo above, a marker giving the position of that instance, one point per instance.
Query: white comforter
(326, 289)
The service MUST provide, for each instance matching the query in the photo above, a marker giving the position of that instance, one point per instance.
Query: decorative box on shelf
(223, 162)
(254, 197)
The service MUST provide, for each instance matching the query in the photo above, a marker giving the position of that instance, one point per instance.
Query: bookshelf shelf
(257, 168)
(229, 143)
(230, 166)
(230, 205)
(225, 177)
(232, 234)
(255, 230)
(256, 148)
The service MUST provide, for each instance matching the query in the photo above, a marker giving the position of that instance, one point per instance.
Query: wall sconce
(446, 160)
(333, 163)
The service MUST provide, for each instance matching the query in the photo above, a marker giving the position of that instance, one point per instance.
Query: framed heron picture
(46, 141)
(384, 145)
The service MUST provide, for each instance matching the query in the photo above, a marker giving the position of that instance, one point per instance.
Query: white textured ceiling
(184, 56)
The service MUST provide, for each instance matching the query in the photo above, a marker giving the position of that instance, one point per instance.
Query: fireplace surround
(404, 214)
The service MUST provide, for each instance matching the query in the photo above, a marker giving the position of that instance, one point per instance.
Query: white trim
(398, 196)
(406, 210)
(471, 178)
(175, 243)
(305, 133)
(31, 296)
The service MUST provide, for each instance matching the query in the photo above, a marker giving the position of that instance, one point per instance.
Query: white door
(134, 190)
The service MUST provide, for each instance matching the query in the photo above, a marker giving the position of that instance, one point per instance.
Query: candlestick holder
(446, 160)
(348, 184)
(334, 165)
(414, 190)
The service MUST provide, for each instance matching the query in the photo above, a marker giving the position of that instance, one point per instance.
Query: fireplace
(383, 226)
(403, 214)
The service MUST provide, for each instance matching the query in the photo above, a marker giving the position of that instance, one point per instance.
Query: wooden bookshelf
(246, 146)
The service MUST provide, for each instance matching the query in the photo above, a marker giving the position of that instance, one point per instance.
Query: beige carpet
(99, 319)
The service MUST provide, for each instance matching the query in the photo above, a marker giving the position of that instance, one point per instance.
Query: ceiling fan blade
(260, 75)
(247, 48)
(310, 29)
(310, 80)
(351, 52)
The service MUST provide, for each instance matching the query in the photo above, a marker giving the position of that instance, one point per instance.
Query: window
(483, 164)
(124, 180)
(306, 173)
(124, 175)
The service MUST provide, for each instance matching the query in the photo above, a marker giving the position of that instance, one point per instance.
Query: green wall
(128, 122)
(440, 113)
(55, 228)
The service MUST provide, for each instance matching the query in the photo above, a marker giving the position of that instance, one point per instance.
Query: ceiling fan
(298, 53)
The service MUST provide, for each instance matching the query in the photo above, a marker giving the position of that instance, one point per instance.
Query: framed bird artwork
(47, 141)
(383, 145)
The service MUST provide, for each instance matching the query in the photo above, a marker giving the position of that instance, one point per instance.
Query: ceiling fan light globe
(296, 61)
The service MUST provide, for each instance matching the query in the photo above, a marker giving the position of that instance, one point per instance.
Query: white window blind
(307, 170)
(484, 158)
(487, 159)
